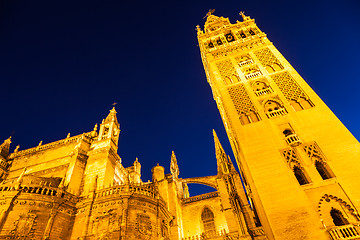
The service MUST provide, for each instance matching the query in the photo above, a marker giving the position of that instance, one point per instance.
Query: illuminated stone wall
(76, 188)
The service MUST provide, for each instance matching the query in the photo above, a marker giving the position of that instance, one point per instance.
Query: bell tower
(299, 163)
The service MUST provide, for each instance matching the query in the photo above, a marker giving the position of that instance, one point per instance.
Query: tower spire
(221, 157)
(110, 127)
(111, 117)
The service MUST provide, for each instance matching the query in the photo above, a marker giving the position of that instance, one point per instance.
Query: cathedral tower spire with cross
(298, 162)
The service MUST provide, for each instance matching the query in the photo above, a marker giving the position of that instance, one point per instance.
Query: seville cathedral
(299, 166)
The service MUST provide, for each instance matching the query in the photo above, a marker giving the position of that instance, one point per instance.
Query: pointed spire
(17, 149)
(174, 168)
(137, 165)
(221, 157)
(5, 147)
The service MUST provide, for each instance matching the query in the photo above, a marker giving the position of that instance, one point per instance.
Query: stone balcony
(263, 91)
(345, 232)
(293, 140)
(276, 113)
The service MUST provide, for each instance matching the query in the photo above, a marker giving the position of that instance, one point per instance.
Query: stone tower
(299, 163)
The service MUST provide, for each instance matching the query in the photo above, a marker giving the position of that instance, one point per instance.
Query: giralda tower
(300, 165)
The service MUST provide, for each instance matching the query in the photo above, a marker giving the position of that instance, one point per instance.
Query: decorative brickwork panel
(289, 87)
(226, 69)
(266, 58)
(241, 99)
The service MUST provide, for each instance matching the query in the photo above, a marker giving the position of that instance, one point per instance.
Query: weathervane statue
(211, 11)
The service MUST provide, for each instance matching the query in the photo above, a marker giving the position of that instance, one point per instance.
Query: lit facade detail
(299, 164)
(77, 188)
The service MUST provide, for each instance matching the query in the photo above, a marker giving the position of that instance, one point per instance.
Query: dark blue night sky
(63, 63)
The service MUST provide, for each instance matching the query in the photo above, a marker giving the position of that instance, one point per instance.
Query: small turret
(135, 172)
(158, 173)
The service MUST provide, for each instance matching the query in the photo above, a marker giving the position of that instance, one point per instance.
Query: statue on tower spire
(211, 11)
(244, 17)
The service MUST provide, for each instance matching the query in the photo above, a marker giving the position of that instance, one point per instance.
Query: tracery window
(207, 218)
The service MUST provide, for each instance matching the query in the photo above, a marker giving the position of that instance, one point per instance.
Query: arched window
(300, 176)
(322, 169)
(207, 217)
(338, 217)
(273, 109)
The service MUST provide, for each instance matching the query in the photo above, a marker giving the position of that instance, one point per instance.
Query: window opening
(300, 176)
(321, 168)
(338, 218)
(207, 218)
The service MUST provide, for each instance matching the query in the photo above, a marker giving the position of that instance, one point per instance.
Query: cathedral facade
(77, 188)
(299, 165)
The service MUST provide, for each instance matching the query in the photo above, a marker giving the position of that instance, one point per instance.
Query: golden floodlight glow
(298, 162)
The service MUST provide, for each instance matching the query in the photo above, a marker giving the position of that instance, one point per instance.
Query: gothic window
(273, 109)
(242, 34)
(211, 45)
(251, 32)
(207, 218)
(323, 169)
(219, 42)
(338, 217)
(300, 175)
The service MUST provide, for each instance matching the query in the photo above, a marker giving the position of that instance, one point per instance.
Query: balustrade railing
(345, 232)
(276, 113)
(263, 91)
(38, 189)
(85, 136)
(293, 140)
(146, 190)
(221, 235)
(246, 62)
(252, 75)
